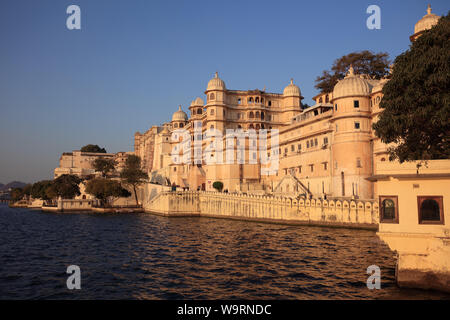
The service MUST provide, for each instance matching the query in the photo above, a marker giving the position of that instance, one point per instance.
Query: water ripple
(140, 256)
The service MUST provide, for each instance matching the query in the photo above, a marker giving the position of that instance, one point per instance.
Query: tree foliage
(218, 185)
(376, 65)
(132, 175)
(93, 148)
(104, 166)
(105, 189)
(39, 189)
(416, 101)
(65, 186)
(17, 194)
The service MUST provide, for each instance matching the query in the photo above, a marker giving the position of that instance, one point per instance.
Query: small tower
(426, 23)
(351, 143)
(215, 103)
(291, 101)
(179, 119)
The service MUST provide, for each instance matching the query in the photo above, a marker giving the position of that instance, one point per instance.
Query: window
(430, 209)
(299, 147)
(212, 127)
(356, 103)
(336, 128)
(307, 144)
(312, 167)
(300, 169)
(176, 125)
(388, 209)
(239, 101)
(285, 150)
(327, 99)
(199, 111)
(250, 101)
(316, 142)
(292, 148)
(325, 166)
(181, 125)
(335, 107)
(358, 163)
(250, 116)
(320, 100)
(325, 140)
(211, 96)
(357, 125)
(212, 112)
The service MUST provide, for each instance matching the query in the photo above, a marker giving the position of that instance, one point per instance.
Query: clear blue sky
(135, 61)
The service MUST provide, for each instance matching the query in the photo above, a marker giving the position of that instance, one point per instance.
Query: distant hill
(13, 184)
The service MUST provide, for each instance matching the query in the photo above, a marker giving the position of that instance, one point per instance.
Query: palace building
(326, 150)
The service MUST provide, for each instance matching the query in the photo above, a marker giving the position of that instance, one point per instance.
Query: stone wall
(354, 214)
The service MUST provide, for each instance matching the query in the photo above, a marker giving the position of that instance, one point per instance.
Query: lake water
(141, 256)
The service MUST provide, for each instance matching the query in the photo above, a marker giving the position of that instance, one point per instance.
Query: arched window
(211, 96)
(320, 100)
(239, 126)
(256, 100)
(257, 126)
(176, 125)
(251, 116)
(262, 126)
(199, 111)
(181, 125)
(378, 99)
(250, 100)
(262, 115)
(327, 99)
(211, 112)
(239, 101)
(211, 127)
(262, 100)
(430, 210)
(257, 115)
(251, 126)
(270, 103)
(383, 159)
(388, 209)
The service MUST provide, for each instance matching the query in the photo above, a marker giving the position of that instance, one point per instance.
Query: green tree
(17, 194)
(39, 189)
(105, 189)
(104, 165)
(65, 186)
(416, 101)
(376, 65)
(93, 148)
(218, 185)
(27, 190)
(132, 175)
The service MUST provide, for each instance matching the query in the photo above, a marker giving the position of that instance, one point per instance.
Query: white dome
(198, 102)
(427, 22)
(292, 90)
(351, 85)
(216, 84)
(179, 115)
